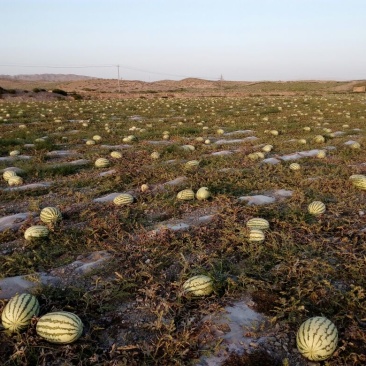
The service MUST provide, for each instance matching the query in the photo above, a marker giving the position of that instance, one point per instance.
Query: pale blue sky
(171, 39)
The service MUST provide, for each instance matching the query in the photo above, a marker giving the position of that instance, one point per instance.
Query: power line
(107, 66)
(57, 67)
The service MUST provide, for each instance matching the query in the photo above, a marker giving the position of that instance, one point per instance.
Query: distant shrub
(59, 91)
(11, 91)
(38, 90)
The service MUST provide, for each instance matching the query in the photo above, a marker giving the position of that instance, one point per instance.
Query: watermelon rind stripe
(55, 326)
(313, 334)
(28, 300)
(19, 310)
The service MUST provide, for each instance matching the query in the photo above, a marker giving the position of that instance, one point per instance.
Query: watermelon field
(132, 230)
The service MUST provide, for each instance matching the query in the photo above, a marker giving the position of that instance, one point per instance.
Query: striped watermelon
(257, 223)
(18, 312)
(155, 155)
(356, 177)
(355, 145)
(144, 187)
(203, 193)
(8, 174)
(35, 232)
(192, 164)
(123, 199)
(14, 153)
(317, 338)
(321, 154)
(116, 154)
(199, 285)
(259, 154)
(267, 148)
(256, 236)
(319, 139)
(97, 138)
(129, 138)
(15, 181)
(101, 163)
(50, 215)
(60, 327)
(295, 166)
(359, 181)
(185, 195)
(255, 156)
(188, 147)
(316, 208)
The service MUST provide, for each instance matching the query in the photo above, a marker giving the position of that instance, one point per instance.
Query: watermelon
(317, 338)
(295, 166)
(123, 199)
(199, 285)
(188, 147)
(319, 139)
(18, 312)
(36, 232)
(101, 163)
(192, 164)
(15, 180)
(321, 154)
(185, 195)
(116, 154)
(257, 223)
(256, 236)
(316, 208)
(60, 327)
(8, 174)
(355, 145)
(203, 193)
(97, 138)
(155, 155)
(267, 148)
(14, 153)
(50, 215)
(144, 187)
(358, 180)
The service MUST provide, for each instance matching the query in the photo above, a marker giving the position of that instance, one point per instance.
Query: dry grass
(133, 309)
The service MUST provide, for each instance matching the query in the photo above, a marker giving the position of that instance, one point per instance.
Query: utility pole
(119, 86)
(221, 80)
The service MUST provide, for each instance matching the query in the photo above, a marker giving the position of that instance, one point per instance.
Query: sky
(249, 40)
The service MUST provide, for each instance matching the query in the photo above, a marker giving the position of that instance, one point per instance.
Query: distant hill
(47, 77)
